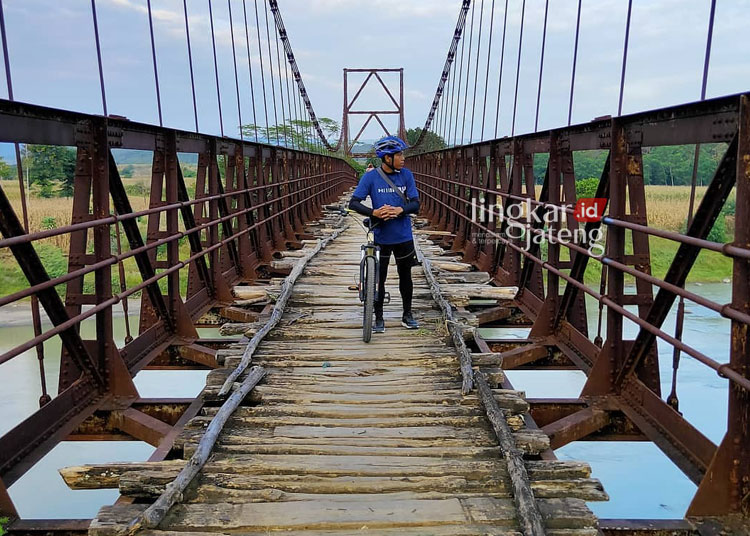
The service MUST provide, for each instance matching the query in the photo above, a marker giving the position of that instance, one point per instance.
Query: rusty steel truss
(621, 398)
(398, 109)
(234, 222)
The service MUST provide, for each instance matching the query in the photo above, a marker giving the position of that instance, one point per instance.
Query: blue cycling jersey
(396, 230)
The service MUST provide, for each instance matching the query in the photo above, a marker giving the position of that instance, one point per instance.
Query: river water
(640, 480)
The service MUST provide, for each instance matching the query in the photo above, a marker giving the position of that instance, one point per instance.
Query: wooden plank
(575, 426)
(325, 514)
(141, 426)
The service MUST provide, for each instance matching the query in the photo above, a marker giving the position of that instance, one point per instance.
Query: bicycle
(369, 278)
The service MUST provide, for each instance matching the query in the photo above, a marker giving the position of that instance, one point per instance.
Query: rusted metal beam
(167, 443)
(346, 135)
(35, 273)
(684, 444)
(103, 424)
(708, 211)
(726, 486)
(122, 205)
(647, 527)
(29, 441)
(7, 508)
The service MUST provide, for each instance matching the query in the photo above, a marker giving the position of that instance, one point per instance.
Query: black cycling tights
(405, 259)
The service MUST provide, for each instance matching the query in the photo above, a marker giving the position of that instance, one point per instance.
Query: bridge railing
(484, 194)
(249, 201)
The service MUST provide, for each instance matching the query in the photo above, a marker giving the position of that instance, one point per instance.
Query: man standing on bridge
(389, 210)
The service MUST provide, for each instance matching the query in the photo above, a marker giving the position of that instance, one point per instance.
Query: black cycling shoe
(407, 320)
(379, 326)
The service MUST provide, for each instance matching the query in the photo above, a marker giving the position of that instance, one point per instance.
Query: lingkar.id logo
(521, 217)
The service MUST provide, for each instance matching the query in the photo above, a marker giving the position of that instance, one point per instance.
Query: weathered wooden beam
(529, 516)
(523, 355)
(455, 329)
(278, 311)
(141, 426)
(575, 426)
(154, 514)
(200, 354)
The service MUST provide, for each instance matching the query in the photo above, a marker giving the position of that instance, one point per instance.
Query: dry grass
(667, 206)
(46, 213)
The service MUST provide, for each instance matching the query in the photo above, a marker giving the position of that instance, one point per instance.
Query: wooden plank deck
(345, 437)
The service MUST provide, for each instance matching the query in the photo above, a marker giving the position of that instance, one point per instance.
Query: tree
(431, 141)
(295, 133)
(127, 171)
(6, 172)
(50, 165)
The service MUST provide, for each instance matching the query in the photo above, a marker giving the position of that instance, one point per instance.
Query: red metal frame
(623, 380)
(350, 142)
(233, 224)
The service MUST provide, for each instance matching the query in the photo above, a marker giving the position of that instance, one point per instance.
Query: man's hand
(395, 212)
(387, 212)
(382, 212)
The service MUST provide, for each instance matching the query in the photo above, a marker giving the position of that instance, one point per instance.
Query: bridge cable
(624, 56)
(449, 105)
(292, 125)
(262, 71)
(672, 399)
(250, 70)
(281, 86)
(153, 58)
(98, 57)
(273, 86)
(300, 84)
(487, 73)
(500, 72)
(541, 66)
(216, 66)
(468, 73)
(444, 102)
(451, 114)
(35, 314)
(236, 78)
(575, 60)
(476, 71)
(458, 95)
(190, 61)
(518, 68)
(446, 68)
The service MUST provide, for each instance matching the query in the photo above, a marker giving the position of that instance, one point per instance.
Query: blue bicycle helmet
(389, 145)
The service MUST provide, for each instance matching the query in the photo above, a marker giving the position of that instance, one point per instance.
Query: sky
(53, 58)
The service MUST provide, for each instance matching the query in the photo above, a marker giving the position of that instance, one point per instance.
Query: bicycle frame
(370, 249)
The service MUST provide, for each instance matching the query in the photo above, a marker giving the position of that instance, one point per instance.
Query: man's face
(398, 160)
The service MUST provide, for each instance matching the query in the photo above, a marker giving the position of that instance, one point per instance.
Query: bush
(49, 222)
(53, 260)
(718, 232)
(586, 187)
(127, 171)
(730, 206)
(137, 189)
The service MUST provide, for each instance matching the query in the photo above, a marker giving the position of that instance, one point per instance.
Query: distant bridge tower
(350, 142)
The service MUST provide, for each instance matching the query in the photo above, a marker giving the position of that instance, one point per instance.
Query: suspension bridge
(303, 428)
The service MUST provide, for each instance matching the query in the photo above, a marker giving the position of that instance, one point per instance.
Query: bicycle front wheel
(369, 298)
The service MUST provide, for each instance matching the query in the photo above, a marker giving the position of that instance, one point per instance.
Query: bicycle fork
(368, 250)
